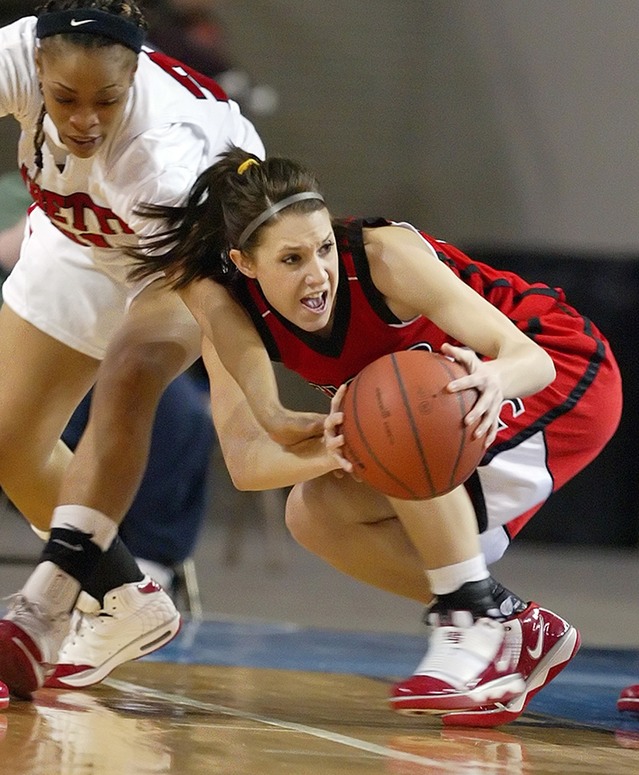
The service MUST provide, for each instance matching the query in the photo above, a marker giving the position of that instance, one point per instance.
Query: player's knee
(300, 518)
(307, 517)
(135, 368)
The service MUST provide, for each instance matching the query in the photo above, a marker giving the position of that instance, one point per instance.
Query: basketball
(404, 432)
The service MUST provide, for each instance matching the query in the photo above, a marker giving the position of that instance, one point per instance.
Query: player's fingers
(336, 400)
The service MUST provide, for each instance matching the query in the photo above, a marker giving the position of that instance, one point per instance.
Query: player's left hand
(483, 377)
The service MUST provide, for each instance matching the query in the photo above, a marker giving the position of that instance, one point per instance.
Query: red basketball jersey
(364, 328)
(543, 440)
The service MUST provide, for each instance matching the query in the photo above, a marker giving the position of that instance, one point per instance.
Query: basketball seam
(413, 425)
(369, 450)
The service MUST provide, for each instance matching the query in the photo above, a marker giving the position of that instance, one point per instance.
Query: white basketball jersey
(175, 124)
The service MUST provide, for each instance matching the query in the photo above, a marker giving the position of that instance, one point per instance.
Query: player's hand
(483, 377)
(289, 428)
(333, 436)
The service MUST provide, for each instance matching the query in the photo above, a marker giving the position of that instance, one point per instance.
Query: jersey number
(189, 78)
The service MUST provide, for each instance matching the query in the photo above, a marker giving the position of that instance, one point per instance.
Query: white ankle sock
(451, 577)
(101, 528)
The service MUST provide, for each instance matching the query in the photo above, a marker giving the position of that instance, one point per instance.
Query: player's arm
(413, 280)
(240, 349)
(254, 460)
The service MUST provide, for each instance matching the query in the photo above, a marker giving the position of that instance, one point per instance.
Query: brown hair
(221, 204)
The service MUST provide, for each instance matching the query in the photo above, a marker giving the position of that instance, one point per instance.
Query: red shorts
(549, 437)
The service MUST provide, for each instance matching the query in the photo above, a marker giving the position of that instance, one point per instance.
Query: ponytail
(225, 208)
(193, 245)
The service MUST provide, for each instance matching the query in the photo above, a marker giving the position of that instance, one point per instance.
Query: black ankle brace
(473, 596)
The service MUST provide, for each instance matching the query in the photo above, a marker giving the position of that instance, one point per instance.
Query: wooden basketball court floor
(247, 698)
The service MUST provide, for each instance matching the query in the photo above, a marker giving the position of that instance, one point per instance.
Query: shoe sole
(552, 664)
(65, 678)
(502, 690)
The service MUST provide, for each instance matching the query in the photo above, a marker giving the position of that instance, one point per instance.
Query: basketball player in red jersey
(268, 274)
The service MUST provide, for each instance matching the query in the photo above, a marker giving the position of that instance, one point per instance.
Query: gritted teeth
(315, 301)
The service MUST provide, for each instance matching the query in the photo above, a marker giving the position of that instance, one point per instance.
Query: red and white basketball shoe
(136, 619)
(30, 639)
(541, 644)
(469, 664)
(629, 699)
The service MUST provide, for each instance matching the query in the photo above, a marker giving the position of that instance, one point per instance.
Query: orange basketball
(404, 432)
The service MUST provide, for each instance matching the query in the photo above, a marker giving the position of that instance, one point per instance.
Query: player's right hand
(333, 436)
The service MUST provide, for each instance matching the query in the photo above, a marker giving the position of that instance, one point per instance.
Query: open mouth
(315, 302)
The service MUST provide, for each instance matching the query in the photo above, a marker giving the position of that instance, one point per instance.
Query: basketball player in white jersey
(105, 125)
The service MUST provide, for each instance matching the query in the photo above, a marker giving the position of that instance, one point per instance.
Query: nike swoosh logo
(73, 547)
(536, 652)
(76, 23)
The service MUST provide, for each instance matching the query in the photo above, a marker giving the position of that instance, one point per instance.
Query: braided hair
(128, 10)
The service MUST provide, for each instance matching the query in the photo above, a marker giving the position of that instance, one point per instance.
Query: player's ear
(242, 262)
(38, 62)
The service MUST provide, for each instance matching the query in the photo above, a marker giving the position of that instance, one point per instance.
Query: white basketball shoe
(136, 619)
(469, 664)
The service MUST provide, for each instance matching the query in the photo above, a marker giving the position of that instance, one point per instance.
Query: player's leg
(55, 289)
(158, 340)
(543, 642)
(162, 526)
(41, 382)
(354, 529)
(433, 546)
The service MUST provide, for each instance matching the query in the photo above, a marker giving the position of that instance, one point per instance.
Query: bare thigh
(157, 340)
(41, 383)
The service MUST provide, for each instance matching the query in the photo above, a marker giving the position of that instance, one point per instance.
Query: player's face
(85, 92)
(297, 268)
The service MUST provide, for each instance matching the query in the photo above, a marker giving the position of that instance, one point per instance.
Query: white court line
(322, 734)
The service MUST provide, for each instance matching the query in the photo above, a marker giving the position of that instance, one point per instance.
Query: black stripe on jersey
(355, 246)
(584, 382)
(330, 346)
(476, 494)
(540, 290)
(533, 327)
(470, 270)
